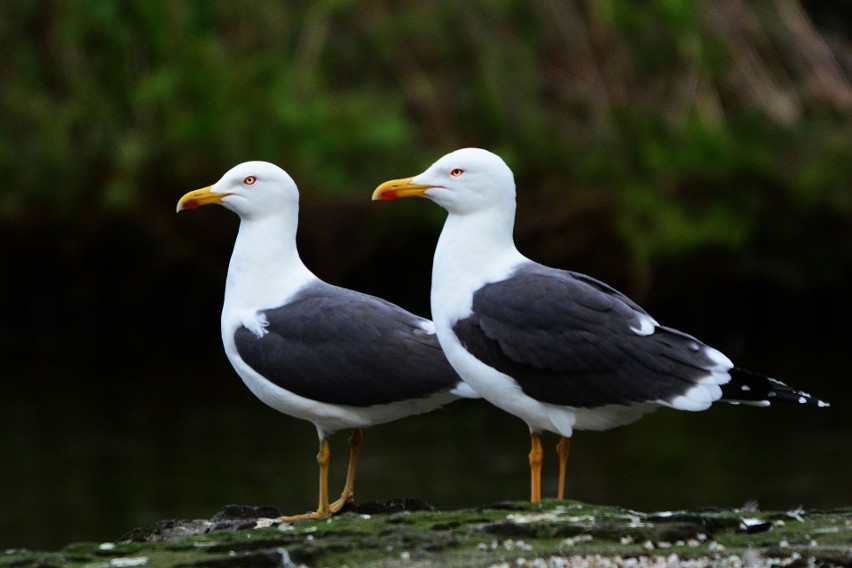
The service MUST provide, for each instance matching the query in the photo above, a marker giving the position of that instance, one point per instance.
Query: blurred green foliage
(694, 119)
(707, 144)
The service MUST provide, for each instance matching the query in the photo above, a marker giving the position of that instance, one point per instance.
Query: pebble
(129, 561)
(577, 539)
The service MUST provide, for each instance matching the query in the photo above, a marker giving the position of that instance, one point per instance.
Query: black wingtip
(750, 387)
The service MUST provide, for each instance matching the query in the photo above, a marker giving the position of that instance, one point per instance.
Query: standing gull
(337, 358)
(558, 349)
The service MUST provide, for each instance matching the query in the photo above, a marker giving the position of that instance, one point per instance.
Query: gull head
(462, 182)
(251, 190)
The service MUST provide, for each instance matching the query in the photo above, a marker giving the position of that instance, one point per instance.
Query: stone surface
(411, 532)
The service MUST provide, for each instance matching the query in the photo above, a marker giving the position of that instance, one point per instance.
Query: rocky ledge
(410, 532)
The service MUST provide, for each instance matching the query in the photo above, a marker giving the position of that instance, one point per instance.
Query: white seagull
(337, 358)
(558, 349)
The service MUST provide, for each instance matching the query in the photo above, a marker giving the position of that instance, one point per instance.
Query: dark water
(90, 455)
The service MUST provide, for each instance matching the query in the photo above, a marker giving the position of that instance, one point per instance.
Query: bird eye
(456, 172)
(250, 180)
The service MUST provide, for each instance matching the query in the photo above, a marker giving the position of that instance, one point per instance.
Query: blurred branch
(823, 78)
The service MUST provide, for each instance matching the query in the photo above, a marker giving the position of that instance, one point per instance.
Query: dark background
(697, 156)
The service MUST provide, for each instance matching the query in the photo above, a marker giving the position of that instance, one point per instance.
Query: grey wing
(571, 340)
(604, 288)
(339, 346)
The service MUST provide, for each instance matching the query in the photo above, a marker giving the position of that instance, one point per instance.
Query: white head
(252, 190)
(462, 182)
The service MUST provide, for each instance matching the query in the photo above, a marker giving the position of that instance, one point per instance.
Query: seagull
(558, 349)
(335, 357)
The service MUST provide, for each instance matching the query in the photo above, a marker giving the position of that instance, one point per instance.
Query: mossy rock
(410, 531)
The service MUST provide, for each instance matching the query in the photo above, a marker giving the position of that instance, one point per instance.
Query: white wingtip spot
(822, 404)
(647, 325)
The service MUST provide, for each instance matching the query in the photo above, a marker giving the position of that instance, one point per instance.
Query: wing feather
(339, 346)
(569, 339)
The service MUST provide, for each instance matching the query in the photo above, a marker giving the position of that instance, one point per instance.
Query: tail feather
(752, 388)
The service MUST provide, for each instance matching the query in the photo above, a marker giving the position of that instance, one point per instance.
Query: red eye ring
(250, 180)
(456, 172)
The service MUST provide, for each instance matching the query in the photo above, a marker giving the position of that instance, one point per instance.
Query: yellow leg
(536, 458)
(356, 440)
(562, 449)
(323, 510)
(323, 459)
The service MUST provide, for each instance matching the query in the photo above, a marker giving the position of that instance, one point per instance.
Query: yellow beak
(399, 188)
(199, 197)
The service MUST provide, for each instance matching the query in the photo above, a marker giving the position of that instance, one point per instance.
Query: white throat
(473, 248)
(265, 268)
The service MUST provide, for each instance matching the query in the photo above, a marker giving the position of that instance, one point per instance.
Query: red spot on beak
(191, 204)
(389, 195)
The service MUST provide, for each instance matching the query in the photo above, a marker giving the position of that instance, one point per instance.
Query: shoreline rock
(410, 532)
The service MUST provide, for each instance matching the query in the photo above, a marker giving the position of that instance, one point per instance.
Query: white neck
(265, 268)
(472, 248)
